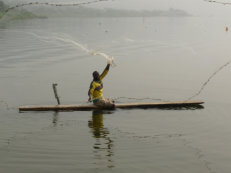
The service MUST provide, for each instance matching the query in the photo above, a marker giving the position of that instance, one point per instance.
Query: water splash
(110, 59)
(208, 80)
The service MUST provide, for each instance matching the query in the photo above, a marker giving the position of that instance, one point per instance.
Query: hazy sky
(196, 7)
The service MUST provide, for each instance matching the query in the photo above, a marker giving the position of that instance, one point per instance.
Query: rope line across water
(218, 2)
(209, 79)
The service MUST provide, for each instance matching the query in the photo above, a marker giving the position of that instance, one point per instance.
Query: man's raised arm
(105, 71)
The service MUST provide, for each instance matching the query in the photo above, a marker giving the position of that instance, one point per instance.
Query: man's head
(95, 75)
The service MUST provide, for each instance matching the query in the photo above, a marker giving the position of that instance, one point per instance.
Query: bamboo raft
(74, 107)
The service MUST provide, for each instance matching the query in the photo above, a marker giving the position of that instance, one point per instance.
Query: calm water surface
(159, 58)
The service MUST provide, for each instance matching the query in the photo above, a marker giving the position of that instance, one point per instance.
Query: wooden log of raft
(193, 104)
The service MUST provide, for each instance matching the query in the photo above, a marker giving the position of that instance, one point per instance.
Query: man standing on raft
(95, 92)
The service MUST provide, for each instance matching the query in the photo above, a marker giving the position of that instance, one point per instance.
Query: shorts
(105, 103)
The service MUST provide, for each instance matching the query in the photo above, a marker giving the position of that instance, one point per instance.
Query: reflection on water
(55, 118)
(187, 107)
(103, 146)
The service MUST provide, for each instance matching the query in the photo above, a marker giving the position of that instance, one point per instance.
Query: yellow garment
(96, 88)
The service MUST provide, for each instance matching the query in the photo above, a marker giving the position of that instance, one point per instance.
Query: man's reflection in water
(103, 147)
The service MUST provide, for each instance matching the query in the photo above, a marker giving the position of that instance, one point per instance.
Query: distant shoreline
(106, 13)
(17, 14)
(42, 12)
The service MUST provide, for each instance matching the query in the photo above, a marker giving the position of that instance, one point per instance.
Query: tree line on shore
(82, 11)
(15, 14)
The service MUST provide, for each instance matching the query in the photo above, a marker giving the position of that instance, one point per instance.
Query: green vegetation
(107, 12)
(3, 7)
(20, 13)
(16, 14)
(23, 14)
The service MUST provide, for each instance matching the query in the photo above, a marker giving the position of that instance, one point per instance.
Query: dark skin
(96, 77)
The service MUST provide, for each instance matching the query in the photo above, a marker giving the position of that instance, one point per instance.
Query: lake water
(163, 59)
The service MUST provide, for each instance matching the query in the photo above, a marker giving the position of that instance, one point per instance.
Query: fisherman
(95, 92)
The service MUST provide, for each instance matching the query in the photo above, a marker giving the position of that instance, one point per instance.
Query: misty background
(194, 7)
